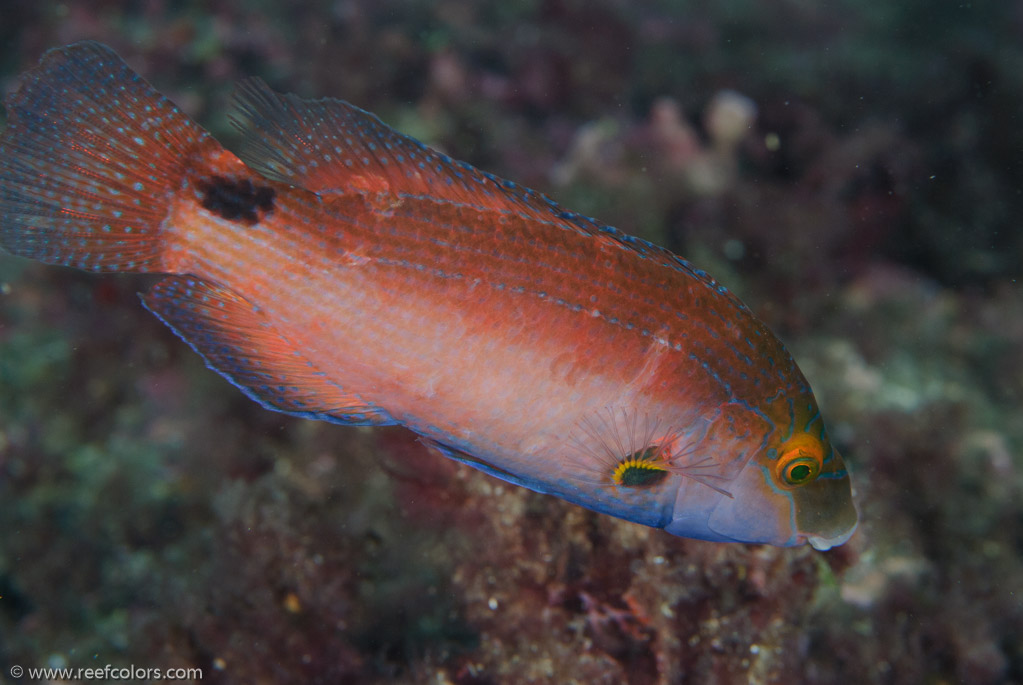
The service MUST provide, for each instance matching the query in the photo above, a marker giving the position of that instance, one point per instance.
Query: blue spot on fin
(84, 169)
(239, 343)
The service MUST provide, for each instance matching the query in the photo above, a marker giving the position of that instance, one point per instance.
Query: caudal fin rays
(88, 162)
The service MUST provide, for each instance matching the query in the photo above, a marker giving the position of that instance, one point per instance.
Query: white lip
(822, 544)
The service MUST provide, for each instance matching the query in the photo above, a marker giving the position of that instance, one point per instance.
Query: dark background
(870, 213)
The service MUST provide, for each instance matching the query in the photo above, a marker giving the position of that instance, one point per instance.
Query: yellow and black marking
(640, 469)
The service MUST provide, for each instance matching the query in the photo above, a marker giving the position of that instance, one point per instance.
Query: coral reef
(852, 174)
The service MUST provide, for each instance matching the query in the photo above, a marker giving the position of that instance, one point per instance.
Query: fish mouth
(825, 512)
(822, 544)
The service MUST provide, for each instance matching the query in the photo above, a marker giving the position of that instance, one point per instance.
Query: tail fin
(89, 161)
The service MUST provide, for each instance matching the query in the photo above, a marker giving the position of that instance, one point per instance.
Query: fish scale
(602, 286)
(339, 270)
(406, 284)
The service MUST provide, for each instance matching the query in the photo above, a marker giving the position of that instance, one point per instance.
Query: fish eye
(799, 465)
(640, 469)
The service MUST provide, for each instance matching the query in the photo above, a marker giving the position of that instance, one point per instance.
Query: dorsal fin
(239, 343)
(330, 146)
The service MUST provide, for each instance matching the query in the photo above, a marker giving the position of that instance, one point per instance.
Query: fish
(337, 270)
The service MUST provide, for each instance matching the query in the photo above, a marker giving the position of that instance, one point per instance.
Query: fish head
(779, 480)
(795, 493)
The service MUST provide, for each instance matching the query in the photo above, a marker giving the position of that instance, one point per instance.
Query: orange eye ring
(799, 465)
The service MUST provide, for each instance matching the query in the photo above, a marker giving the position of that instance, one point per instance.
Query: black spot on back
(236, 199)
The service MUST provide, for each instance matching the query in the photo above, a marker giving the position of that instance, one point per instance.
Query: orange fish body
(346, 272)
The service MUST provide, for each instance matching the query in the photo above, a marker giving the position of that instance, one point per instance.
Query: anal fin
(237, 341)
